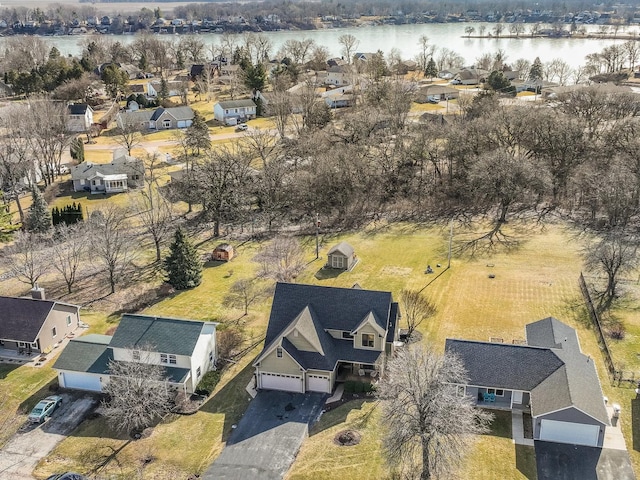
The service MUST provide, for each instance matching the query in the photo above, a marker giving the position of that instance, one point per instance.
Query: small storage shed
(223, 252)
(342, 256)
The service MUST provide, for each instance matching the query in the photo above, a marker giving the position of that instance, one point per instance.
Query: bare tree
(349, 44)
(613, 255)
(128, 134)
(280, 109)
(48, 134)
(27, 258)
(429, 426)
(245, 293)
(416, 308)
(138, 390)
(68, 250)
(282, 259)
(112, 243)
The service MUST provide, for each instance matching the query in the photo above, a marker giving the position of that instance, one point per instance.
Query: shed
(341, 256)
(223, 252)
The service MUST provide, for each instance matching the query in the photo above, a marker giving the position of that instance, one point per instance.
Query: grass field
(535, 279)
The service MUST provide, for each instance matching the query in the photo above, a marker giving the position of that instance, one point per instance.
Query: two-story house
(233, 111)
(318, 334)
(80, 117)
(34, 325)
(185, 348)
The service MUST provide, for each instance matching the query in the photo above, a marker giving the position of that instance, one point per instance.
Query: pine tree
(431, 70)
(183, 267)
(198, 138)
(39, 218)
(536, 73)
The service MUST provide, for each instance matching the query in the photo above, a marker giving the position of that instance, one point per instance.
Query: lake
(405, 38)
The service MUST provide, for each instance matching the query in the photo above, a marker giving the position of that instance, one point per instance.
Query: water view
(405, 39)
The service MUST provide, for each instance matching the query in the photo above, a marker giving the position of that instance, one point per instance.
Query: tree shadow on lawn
(231, 400)
(339, 415)
(501, 424)
(328, 273)
(45, 391)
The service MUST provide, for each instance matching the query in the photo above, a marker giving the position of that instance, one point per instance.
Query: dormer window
(368, 340)
(279, 352)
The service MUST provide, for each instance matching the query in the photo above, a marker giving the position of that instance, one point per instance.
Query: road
(22, 453)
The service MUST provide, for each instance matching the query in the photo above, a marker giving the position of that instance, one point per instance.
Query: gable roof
(165, 335)
(179, 113)
(78, 108)
(237, 103)
(344, 248)
(551, 367)
(119, 166)
(89, 353)
(22, 318)
(502, 365)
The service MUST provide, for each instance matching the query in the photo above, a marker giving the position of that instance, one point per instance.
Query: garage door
(318, 383)
(567, 432)
(81, 381)
(277, 381)
(182, 124)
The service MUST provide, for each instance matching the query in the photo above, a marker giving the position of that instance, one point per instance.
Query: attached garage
(277, 381)
(568, 432)
(184, 123)
(318, 383)
(80, 381)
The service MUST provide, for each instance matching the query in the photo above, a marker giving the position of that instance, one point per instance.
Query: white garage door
(182, 124)
(318, 383)
(82, 381)
(567, 432)
(277, 381)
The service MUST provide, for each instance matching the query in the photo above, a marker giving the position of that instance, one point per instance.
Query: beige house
(34, 325)
(342, 257)
(318, 336)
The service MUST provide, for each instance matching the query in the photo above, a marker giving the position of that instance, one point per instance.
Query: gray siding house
(34, 325)
(319, 335)
(342, 257)
(158, 119)
(122, 173)
(233, 111)
(549, 375)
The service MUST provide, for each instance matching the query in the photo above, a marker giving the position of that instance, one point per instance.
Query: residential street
(20, 455)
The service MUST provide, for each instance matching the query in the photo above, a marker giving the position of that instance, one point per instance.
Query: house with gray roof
(185, 348)
(122, 173)
(158, 119)
(316, 335)
(232, 112)
(34, 325)
(341, 256)
(80, 117)
(549, 375)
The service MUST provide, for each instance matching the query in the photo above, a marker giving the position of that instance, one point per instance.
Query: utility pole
(317, 236)
(450, 242)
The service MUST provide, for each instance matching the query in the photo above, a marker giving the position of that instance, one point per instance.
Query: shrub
(349, 386)
(359, 387)
(208, 383)
(617, 331)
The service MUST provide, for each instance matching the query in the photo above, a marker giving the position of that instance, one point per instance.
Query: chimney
(37, 293)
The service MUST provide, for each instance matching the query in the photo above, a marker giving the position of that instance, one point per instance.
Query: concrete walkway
(517, 429)
(613, 437)
(337, 395)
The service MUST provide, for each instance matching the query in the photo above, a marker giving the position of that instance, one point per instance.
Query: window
(22, 344)
(211, 356)
(166, 123)
(68, 320)
(198, 372)
(460, 390)
(136, 355)
(1, 343)
(164, 358)
(497, 392)
(53, 332)
(34, 344)
(367, 340)
(279, 352)
(346, 335)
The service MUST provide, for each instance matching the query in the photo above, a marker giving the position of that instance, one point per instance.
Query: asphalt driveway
(20, 455)
(268, 437)
(559, 461)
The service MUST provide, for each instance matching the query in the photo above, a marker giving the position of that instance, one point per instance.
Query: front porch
(357, 372)
(498, 399)
(21, 356)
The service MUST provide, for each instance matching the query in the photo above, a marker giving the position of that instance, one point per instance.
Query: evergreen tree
(39, 218)
(535, 72)
(198, 138)
(143, 63)
(431, 70)
(6, 223)
(163, 93)
(501, 84)
(77, 150)
(183, 267)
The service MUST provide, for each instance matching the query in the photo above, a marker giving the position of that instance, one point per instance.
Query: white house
(232, 111)
(185, 348)
(80, 117)
(339, 75)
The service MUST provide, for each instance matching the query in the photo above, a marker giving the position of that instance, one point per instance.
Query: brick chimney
(37, 293)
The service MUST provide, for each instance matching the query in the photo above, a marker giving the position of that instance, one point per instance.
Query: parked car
(67, 476)
(63, 170)
(433, 99)
(44, 408)
(243, 127)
